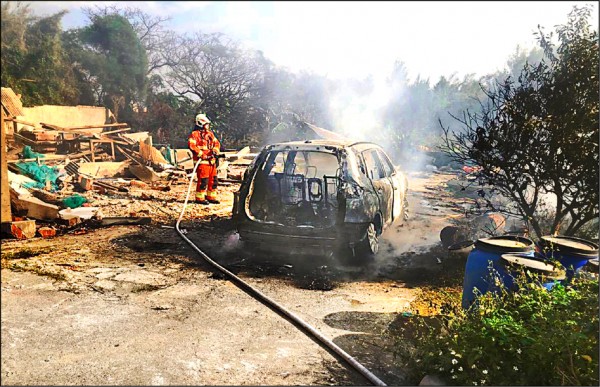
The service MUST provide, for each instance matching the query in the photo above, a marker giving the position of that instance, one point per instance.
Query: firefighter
(205, 146)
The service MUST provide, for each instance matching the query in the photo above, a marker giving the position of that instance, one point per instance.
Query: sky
(357, 39)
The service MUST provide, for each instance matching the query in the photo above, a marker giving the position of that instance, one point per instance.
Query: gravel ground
(135, 305)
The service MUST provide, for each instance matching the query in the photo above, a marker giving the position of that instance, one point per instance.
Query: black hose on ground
(330, 345)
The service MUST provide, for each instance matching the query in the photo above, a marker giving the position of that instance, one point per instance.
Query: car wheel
(367, 248)
(371, 241)
(363, 252)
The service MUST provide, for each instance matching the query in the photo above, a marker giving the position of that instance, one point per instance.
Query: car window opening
(296, 188)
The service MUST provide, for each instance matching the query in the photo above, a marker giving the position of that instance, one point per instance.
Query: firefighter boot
(201, 198)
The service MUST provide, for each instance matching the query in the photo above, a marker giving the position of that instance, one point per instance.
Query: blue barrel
(543, 273)
(573, 253)
(487, 252)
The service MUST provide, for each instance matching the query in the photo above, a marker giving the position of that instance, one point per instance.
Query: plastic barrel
(460, 248)
(543, 273)
(573, 253)
(487, 252)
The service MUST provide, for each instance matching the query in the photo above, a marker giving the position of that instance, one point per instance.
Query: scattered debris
(85, 170)
(47, 232)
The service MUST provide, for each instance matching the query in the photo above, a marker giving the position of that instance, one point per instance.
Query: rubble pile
(68, 179)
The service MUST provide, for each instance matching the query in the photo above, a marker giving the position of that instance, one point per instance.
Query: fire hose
(299, 323)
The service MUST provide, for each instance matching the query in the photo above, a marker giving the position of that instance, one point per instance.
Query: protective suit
(205, 146)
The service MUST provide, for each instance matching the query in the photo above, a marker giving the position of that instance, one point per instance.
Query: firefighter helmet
(201, 119)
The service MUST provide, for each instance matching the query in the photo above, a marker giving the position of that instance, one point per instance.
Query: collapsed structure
(54, 155)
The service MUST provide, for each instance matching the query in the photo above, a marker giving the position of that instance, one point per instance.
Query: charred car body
(319, 196)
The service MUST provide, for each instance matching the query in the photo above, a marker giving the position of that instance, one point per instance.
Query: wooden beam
(128, 155)
(5, 213)
(108, 141)
(143, 173)
(100, 126)
(20, 121)
(115, 131)
(53, 127)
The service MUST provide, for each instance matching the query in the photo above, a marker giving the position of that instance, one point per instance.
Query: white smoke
(357, 107)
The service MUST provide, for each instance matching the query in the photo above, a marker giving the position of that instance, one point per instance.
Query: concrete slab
(66, 116)
(36, 208)
(104, 169)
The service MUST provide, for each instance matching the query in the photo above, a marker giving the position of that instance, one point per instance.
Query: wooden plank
(24, 140)
(129, 155)
(53, 127)
(143, 173)
(20, 122)
(11, 102)
(100, 126)
(5, 214)
(116, 131)
(109, 141)
(110, 186)
(126, 139)
(150, 153)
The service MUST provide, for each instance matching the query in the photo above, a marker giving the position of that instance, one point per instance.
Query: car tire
(366, 249)
(363, 252)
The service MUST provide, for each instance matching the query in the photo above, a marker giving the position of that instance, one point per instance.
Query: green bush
(532, 336)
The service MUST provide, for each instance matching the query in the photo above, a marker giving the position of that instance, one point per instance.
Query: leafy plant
(532, 336)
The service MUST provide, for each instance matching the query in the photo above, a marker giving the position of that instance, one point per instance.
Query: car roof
(312, 144)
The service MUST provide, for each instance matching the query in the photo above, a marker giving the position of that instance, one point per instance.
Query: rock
(431, 380)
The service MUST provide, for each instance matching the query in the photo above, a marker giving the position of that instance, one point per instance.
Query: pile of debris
(71, 178)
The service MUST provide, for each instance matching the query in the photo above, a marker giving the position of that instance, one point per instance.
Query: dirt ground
(136, 305)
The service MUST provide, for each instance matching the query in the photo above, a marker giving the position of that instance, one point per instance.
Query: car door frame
(394, 180)
(383, 187)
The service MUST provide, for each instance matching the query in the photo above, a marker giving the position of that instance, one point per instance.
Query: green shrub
(529, 337)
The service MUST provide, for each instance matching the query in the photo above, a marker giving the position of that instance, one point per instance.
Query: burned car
(319, 197)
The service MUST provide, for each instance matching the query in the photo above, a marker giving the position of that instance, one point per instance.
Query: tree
(537, 136)
(150, 30)
(34, 61)
(111, 58)
(14, 26)
(218, 74)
